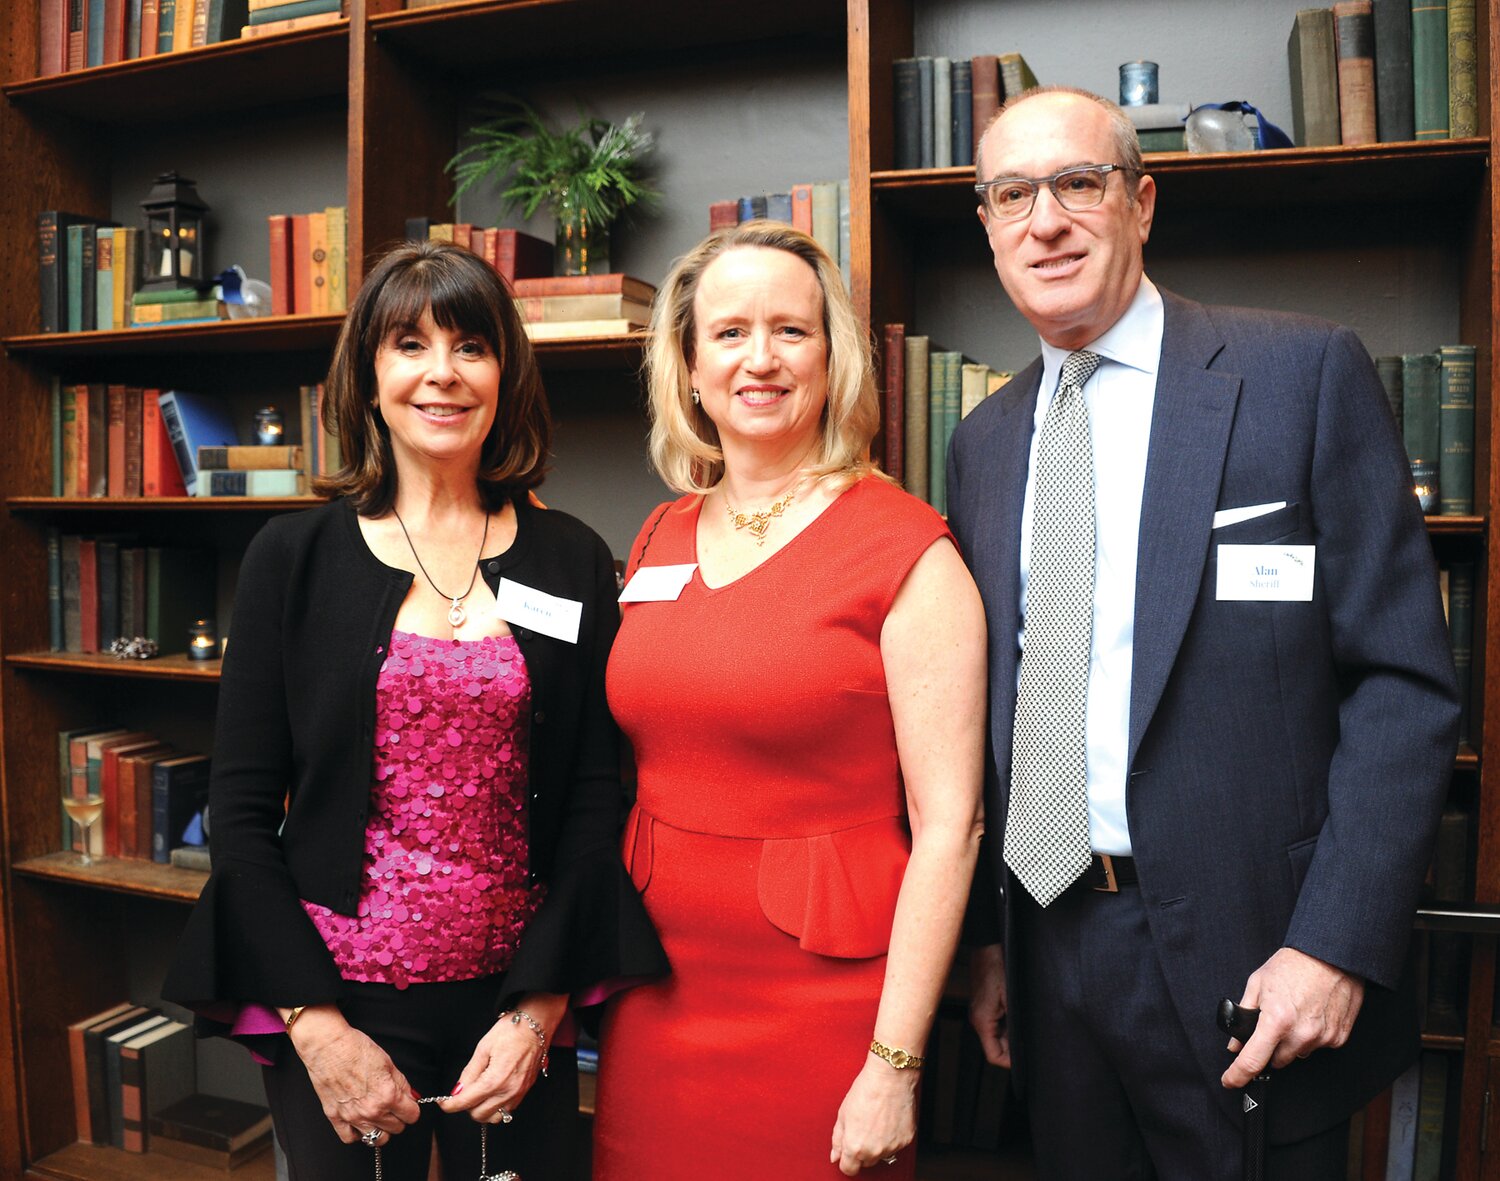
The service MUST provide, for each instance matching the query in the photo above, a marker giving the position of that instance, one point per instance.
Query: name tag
(657, 584)
(1282, 573)
(521, 606)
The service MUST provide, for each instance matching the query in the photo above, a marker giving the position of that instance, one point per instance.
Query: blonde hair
(684, 442)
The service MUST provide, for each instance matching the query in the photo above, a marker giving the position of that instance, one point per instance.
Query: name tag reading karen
(1266, 573)
(521, 606)
(657, 584)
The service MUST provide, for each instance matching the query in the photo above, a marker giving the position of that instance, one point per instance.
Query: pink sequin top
(444, 894)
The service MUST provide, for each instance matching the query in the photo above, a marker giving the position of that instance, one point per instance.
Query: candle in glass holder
(203, 642)
(268, 427)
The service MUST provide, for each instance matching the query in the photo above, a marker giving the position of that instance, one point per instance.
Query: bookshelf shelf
(592, 352)
(1456, 526)
(160, 504)
(225, 77)
(1392, 173)
(144, 879)
(1467, 759)
(474, 33)
(171, 667)
(269, 334)
(88, 1162)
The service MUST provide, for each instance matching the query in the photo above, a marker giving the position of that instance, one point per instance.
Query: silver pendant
(456, 614)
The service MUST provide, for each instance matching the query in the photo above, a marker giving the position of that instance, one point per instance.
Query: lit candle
(203, 644)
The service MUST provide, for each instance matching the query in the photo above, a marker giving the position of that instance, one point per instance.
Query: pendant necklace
(456, 613)
(760, 522)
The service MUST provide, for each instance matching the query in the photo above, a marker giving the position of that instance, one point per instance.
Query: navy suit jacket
(1287, 760)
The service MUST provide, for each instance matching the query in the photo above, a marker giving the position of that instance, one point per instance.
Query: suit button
(541, 716)
(492, 567)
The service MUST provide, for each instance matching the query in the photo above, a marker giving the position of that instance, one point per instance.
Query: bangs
(436, 284)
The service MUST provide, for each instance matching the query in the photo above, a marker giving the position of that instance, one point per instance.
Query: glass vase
(582, 244)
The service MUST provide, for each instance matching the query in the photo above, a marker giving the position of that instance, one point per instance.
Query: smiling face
(760, 353)
(437, 389)
(1072, 274)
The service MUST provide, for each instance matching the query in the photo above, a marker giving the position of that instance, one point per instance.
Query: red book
(488, 247)
(893, 373)
(281, 264)
(88, 593)
(160, 475)
(150, 26)
(135, 777)
(723, 214)
(984, 101)
(301, 236)
(521, 256)
(463, 234)
(114, 31)
(79, 1064)
(115, 468)
(134, 439)
(802, 208)
(611, 283)
(120, 820)
(52, 38)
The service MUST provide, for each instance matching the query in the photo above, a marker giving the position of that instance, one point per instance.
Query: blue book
(94, 23)
(75, 275)
(963, 113)
(133, 30)
(193, 421)
(104, 275)
(924, 112)
(779, 207)
(752, 207)
(179, 789)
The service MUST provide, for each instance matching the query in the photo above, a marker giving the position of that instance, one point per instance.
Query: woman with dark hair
(415, 795)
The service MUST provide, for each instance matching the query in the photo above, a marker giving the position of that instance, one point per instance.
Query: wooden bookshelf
(405, 74)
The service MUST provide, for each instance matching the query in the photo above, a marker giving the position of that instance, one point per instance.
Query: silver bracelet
(519, 1015)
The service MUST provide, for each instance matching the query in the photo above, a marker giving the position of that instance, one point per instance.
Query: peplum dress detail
(769, 840)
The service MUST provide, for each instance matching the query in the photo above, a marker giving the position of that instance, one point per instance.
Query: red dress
(769, 840)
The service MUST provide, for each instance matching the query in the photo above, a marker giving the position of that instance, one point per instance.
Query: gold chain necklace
(759, 522)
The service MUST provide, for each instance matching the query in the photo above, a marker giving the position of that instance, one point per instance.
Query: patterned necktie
(1047, 827)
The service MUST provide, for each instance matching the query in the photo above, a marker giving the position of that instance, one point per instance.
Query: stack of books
(285, 16)
(570, 306)
(128, 1063)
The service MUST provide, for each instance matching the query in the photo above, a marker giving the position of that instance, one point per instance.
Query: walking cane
(1240, 1023)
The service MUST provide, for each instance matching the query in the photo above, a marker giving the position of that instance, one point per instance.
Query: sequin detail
(444, 893)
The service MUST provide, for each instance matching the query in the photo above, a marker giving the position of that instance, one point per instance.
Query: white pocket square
(1233, 516)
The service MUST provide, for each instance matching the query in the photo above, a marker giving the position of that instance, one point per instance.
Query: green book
(953, 390)
(918, 349)
(1456, 430)
(1420, 383)
(170, 295)
(1015, 75)
(1313, 68)
(1463, 70)
(944, 389)
(166, 15)
(76, 276)
(1389, 371)
(1429, 67)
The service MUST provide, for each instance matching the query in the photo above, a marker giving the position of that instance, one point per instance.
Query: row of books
(134, 1072)
(75, 34)
(1410, 1132)
(115, 440)
(942, 105)
(310, 262)
(926, 392)
(1368, 71)
(819, 209)
(103, 587)
(1432, 397)
(147, 793)
(514, 254)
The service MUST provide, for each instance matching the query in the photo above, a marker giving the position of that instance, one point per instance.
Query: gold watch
(899, 1059)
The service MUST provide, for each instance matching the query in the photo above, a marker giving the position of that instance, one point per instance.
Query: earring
(697, 398)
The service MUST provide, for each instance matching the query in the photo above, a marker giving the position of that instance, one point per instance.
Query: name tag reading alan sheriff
(1266, 573)
(521, 606)
(657, 584)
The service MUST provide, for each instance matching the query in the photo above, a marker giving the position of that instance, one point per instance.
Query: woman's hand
(506, 1062)
(356, 1081)
(877, 1119)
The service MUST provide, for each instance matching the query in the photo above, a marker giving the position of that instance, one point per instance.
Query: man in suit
(1223, 708)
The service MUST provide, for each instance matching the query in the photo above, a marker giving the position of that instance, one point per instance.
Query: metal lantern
(174, 234)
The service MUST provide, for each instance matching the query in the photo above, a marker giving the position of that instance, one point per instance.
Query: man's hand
(1305, 1005)
(987, 1006)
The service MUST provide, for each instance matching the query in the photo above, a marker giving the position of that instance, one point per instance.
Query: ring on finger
(372, 1137)
(888, 1160)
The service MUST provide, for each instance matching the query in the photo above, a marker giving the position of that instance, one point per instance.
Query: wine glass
(83, 811)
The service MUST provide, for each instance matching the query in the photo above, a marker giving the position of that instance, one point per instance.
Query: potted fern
(586, 176)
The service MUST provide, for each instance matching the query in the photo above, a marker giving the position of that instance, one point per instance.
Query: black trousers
(430, 1031)
(1112, 1087)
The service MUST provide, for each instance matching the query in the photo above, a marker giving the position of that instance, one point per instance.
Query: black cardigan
(293, 752)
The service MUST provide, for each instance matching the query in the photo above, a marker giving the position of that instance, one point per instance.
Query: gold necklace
(759, 522)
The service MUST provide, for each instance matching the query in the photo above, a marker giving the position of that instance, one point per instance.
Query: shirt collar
(1133, 340)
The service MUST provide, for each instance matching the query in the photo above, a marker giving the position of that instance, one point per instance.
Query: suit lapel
(1190, 428)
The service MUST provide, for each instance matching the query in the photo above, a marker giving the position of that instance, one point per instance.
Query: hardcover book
(893, 377)
(918, 364)
(963, 115)
(906, 98)
(194, 421)
(113, 1044)
(1456, 430)
(1429, 69)
(1393, 87)
(179, 789)
(942, 112)
(984, 78)
(1421, 384)
(1463, 70)
(1313, 63)
(611, 283)
(1354, 38)
(78, 1066)
(249, 482)
(94, 1060)
(157, 1069)
(224, 1125)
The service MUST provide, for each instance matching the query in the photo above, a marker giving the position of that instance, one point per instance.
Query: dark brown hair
(464, 294)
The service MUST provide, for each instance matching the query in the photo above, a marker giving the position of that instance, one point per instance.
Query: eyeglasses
(1076, 189)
